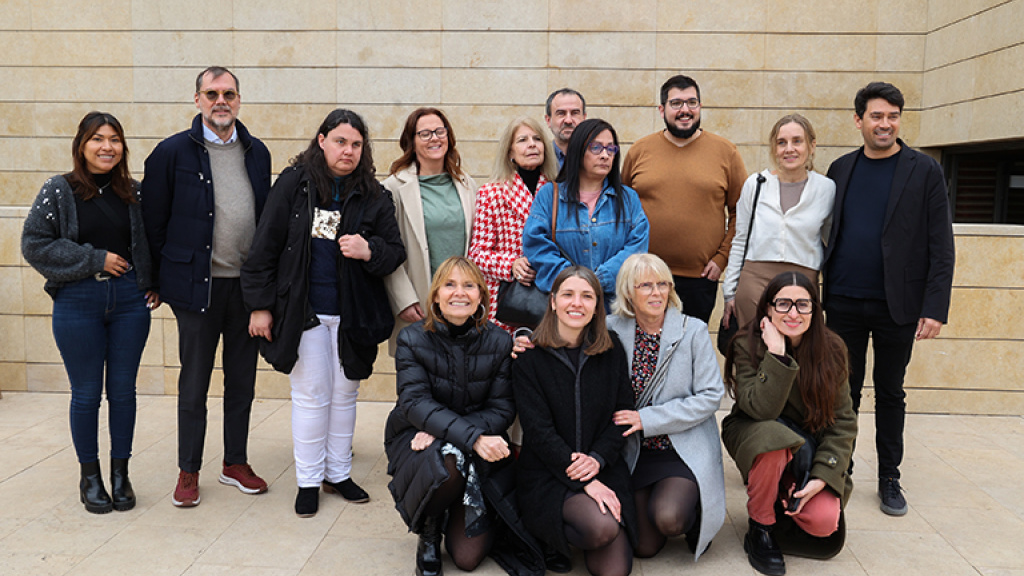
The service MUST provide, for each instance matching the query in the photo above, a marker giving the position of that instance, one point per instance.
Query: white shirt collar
(211, 136)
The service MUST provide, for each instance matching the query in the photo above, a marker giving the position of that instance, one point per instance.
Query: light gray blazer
(684, 407)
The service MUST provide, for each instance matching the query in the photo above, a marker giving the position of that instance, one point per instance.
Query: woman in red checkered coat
(524, 163)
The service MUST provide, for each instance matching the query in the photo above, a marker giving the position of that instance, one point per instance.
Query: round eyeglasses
(440, 132)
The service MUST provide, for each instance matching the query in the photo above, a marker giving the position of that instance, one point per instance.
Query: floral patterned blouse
(645, 360)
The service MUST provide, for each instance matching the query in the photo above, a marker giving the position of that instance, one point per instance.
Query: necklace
(103, 188)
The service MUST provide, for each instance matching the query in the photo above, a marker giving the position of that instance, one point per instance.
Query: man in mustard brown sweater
(688, 181)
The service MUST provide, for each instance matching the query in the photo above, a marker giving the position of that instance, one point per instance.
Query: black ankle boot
(91, 490)
(120, 486)
(762, 551)
(428, 550)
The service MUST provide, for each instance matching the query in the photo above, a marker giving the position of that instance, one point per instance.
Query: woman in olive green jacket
(786, 368)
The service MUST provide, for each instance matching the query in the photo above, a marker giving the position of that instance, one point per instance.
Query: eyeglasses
(648, 287)
(595, 148)
(212, 95)
(692, 104)
(426, 134)
(784, 305)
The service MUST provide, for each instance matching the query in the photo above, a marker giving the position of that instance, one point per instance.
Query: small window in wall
(986, 182)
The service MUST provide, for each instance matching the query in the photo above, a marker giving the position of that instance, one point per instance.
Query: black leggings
(605, 546)
(666, 508)
(467, 553)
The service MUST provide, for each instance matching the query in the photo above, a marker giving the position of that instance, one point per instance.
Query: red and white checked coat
(501, 211)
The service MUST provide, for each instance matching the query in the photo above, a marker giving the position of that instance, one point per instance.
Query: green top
(443, 219)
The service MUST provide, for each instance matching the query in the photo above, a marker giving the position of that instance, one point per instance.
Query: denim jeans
(101, 327)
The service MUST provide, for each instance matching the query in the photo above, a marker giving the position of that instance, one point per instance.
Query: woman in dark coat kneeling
(574, 485)
(447, 453)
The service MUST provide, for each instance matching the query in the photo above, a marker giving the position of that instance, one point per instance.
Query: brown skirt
(753, 279)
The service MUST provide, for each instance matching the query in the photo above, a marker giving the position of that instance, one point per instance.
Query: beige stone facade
(958, 62)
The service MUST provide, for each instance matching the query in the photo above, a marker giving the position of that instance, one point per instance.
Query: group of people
(616, 448)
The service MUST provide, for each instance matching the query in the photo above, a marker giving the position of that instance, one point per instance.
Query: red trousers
(820, 514)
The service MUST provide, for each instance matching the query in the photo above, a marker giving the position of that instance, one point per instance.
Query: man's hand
(260, 323)
(711, 271)
(927, 329)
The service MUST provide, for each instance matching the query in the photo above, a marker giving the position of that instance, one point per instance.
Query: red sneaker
(186, 493)
(242, 477)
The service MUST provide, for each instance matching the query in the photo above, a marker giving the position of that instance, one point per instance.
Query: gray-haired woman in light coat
(674, 451)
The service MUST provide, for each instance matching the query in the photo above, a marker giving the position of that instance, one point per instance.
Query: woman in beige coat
(428, 186)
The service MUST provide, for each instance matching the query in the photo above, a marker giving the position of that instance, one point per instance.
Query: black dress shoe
(557, 562)
(762, 551)
(348, 490)
(91, 490)
(307, 502)
(120, 486)
(428, 549)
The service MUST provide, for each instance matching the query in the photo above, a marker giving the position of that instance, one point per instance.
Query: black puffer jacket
(275, 276)
(456, 389)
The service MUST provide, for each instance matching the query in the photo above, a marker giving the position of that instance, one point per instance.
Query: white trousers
(323, 408)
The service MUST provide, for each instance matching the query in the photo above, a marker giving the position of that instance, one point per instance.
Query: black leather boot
(120, 486)
(762, 551)
(428, 550)
(91, 490)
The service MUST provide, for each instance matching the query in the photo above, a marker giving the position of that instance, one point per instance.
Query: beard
(682, 134)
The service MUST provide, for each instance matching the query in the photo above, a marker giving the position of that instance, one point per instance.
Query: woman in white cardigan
(434, 204)
(791, 220)
(673, 452)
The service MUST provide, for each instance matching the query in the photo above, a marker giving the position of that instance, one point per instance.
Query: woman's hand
(355, 247)
(727, 311)
(583, 467)
(115, 265)
(521, 344)
(814, 486)
(152, 300)
(490, 448)
(522, 272)
(629, 418)
(412, 314)
(260, 323)
(606, 499)
(774, 340)
(421, 441)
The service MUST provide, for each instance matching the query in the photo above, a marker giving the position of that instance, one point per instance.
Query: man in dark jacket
(199, 234)
(888, 266)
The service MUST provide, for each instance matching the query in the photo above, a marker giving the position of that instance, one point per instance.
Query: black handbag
(524, 306)
(726, 332)
(803, 459)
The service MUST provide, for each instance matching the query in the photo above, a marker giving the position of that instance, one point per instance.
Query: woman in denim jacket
(600, 221)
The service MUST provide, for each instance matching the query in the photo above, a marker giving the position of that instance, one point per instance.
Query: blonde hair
(444, 271)
(634, 268)
(504, 168)
(809, 134)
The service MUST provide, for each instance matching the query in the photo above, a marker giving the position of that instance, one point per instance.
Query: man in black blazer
(888, 266)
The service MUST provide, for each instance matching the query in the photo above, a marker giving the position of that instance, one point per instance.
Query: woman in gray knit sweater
(84, 235)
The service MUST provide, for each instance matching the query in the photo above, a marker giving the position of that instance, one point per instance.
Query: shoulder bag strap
(753, 210)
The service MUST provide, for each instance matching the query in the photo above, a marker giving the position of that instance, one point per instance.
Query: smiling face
(430, 152)
(103, 150)
(880, 127)
(527, 148)
(574, 304)
(685, 122)
(792, 324)
(597, 166)
(458, 297)
(649, 299)
(343, 148)
(792, 150)
(220, 114)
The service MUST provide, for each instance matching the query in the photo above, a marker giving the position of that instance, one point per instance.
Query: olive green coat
(766, 391)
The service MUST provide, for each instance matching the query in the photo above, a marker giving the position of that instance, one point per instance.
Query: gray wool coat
(684, 408)
(49, 240)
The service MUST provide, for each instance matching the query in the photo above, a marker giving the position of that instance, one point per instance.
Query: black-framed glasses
(596, 148)
(784, 305)
(425, 135)
(649, 287)
(213, 95)
(678, 103)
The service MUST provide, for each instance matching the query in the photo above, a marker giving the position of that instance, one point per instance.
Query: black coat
(565, 409)
(275, 277)
(456, 389)
(178, 207)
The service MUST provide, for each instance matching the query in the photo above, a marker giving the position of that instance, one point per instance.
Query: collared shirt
(559, 155)
(211, 136)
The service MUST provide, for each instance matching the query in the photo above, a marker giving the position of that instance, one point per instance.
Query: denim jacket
(597, 241)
